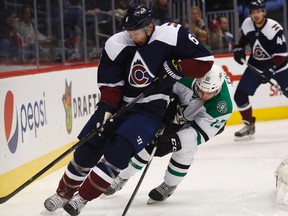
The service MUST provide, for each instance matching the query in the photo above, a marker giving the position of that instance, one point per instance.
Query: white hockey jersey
(205, 119)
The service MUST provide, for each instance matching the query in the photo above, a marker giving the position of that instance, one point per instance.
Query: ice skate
(75, 205)
(160, 193)
(115, 186)
(246, 133)
(55, 202)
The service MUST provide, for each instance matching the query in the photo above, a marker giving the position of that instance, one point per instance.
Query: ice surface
(227, 178)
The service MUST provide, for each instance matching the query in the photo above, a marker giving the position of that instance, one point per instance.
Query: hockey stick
(139, 182)
(80, 142)
(262, 75)
(160, 131)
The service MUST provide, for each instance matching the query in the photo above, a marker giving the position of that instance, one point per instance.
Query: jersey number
(217, 123)
(280, 40)
(193, 39)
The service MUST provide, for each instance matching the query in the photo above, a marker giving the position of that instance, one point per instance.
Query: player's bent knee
(186, 155)
(119, 152)
(240, 98)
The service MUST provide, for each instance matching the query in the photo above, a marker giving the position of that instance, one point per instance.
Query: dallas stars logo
(222, 107)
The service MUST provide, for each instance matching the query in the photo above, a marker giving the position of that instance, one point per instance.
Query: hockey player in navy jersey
(205, 106)
(130, 61)
(268, 55)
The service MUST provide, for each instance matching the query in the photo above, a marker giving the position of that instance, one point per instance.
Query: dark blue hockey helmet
(137, 17)
(256, 4)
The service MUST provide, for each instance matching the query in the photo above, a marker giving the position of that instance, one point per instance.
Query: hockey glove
(165, 144)
(239, 54)
(170, 73)
(171, 110)
(102, 113)
(267, 74)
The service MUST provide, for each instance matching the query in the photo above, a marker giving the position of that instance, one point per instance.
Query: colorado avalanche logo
(139, 75)
(259, 52)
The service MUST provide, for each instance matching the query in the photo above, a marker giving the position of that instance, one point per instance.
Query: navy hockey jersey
(268, 44)
(133, 69)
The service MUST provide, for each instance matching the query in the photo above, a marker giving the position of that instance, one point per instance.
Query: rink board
(46, 111)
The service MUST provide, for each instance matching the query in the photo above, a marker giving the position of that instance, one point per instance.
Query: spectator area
(74, 31)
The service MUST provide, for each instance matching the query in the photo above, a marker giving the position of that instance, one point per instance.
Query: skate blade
(244, 138)
(109, 194)
(151, 201)
(58, 212)
(65, 214)
(47, 213)
(103, 196)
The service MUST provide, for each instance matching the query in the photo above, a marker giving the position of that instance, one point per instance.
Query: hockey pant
(95, 165)
(179, 163)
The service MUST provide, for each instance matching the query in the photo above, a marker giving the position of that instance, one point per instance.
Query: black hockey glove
(170, 74)
(102, 113)
(239, 54)
(267, 74)
(171, 110)
(165, 144)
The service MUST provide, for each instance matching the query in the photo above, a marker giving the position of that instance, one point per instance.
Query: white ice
(227, 178)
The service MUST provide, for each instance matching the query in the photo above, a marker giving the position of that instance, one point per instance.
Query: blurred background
(45, 33)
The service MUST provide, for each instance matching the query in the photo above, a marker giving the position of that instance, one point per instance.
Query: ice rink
(227, 178)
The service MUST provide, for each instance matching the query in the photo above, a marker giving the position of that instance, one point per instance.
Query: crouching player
(205, 107)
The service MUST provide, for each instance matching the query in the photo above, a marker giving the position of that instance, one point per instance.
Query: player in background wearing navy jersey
(130, 61)
(205, 105)
(268, 55)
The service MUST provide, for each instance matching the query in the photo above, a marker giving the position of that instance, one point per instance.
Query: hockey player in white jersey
(268, 55)
(205, 107)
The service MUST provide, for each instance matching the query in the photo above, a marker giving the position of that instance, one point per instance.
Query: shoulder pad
(188, 82)
(271, 29)
(166, 33)
(247, 26)
(116, 43)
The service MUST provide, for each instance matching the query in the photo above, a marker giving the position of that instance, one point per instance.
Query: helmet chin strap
(146, 30)
(146, 33)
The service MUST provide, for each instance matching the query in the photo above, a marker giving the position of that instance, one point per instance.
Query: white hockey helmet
(212, 81)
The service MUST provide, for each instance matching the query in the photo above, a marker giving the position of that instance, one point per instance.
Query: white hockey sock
(135, 165)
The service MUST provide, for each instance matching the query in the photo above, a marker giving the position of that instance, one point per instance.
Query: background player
(268, 55)
(206, 105)
(130, 62)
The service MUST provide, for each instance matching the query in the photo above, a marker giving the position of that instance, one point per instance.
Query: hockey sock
(101, 176)
(94, 185)
(67, 186)
(135, 164)
(247, 115)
